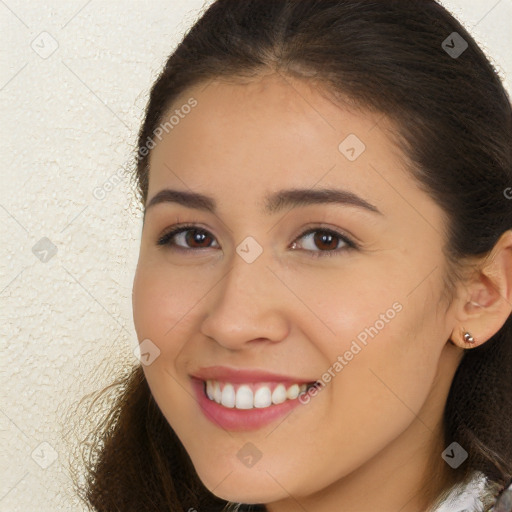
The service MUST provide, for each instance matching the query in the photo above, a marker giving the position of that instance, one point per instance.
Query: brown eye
(186, 237)
(195, 236)
(327, 241)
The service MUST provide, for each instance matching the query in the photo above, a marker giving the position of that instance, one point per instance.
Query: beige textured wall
(74, 79)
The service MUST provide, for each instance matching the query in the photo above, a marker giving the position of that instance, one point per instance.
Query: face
(259, 296)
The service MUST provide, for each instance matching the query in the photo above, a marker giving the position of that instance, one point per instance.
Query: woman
(324, 289)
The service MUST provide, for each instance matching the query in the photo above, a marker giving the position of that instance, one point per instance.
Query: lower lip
(240, 419)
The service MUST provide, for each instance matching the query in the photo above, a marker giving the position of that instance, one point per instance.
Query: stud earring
(468, 338)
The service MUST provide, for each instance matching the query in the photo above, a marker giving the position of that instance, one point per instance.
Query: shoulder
(504, 501)
(475, 497)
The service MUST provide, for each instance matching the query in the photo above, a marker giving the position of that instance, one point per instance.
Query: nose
(246, 307)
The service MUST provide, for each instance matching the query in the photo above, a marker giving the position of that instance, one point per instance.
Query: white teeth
(292, 392)
(279, 394)
(228, 396)
(209, 389)
(262, 397)
(217, 393)
(246, 398)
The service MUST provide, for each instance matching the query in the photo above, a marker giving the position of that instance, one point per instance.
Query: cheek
(385, 381)
(356, 309)
(148, 305)
(381, 359)
(375, 397)
(162, 305)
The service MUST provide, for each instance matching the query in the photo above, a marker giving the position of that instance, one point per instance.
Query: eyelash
(165, 240)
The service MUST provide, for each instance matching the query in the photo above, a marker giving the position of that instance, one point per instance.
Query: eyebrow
(274, 202)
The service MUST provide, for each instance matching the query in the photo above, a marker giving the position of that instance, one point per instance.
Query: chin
(247, 489)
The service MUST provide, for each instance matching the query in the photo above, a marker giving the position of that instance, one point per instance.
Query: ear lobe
(489, 303)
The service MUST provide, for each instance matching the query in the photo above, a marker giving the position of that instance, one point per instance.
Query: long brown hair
(453, 119)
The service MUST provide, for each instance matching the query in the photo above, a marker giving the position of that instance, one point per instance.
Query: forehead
(274, 132)
(273, 105)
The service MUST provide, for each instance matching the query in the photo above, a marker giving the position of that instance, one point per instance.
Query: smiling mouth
(253, 395)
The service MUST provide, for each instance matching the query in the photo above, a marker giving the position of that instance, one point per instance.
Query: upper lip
(240, 375)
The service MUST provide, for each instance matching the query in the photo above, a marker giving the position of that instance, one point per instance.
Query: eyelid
(322, 226)
(193, 223)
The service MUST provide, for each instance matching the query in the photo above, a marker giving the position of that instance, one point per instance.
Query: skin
(364, 441)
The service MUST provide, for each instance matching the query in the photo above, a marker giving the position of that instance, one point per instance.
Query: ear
(486, 302)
